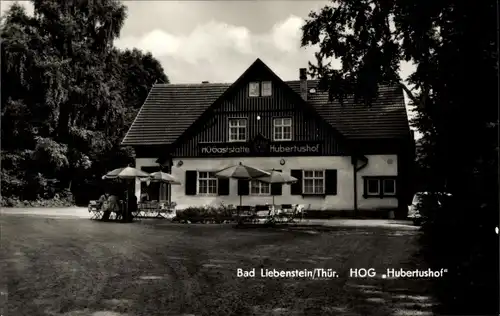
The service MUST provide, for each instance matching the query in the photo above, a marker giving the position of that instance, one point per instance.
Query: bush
(63, 200)
(204, 214)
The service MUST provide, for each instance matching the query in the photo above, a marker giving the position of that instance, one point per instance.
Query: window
(313, 182)
(237, 130)
(389, 186)
(207, 183)
(282, 129)
(267, 89)
(373, 187)
(380, 186)
(258, 89)
(254, 89)
(259, 188)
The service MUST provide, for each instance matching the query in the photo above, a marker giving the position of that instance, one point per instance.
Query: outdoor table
(106, 214)
(148, 207)
(95, 208)
(264, 212)
(244, 213)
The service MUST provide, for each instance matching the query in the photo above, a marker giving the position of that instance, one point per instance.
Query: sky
(217, 41)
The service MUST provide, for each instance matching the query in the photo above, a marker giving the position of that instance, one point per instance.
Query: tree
(454, 90)
(69, 95)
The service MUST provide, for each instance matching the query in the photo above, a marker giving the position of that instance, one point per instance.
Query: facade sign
(215, 150)
(270, 149)
(312, 149)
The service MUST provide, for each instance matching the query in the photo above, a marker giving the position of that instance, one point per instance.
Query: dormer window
(260, 89)
(267, 89)
(254, 89)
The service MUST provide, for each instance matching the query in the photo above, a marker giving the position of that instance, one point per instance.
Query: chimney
(205, 82)
(303, 83)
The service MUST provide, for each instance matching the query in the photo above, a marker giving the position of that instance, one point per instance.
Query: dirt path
(71, 266)
(79, 212)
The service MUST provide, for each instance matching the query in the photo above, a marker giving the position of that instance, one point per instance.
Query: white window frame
(381, 186)
(257, 94)
(282, 126)
(237, 127)
(314, 177)
(207, 179)
(368, 187)
(261, 185)
(384, 193)
(269, 92)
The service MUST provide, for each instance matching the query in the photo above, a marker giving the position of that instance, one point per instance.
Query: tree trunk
(63, 124)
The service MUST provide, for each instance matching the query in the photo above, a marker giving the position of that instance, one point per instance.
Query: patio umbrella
(164, 177)
(126, 173)
(277, 177)
(160, 176)
(241, 172)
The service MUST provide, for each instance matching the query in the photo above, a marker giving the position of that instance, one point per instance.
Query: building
(345, 157)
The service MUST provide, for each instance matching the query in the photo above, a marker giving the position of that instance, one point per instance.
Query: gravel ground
(65, 265)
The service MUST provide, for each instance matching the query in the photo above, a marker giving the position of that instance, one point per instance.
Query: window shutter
(276, 188)
(296, 188)
(191, 178)
(223, 186)
(331, 182)
(243, 187)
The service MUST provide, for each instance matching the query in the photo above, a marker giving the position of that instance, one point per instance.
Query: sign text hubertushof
(291, 149)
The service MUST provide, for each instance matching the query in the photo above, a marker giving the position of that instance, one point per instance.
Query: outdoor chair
(115, 216)
(95, 209)
(118, 214)
(282, 212)
(139, 212)
(262, 213)
(122, 208)
(300, 211)
(304, 210)
(154, 208)
(167, 210)
(288, 212)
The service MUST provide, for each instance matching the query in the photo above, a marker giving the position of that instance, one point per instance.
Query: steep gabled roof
(171, 109)
(262, 69)
(385, 118)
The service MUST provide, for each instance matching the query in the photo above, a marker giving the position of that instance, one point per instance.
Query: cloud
(222, 51)
(286, 35)
(5, 6)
